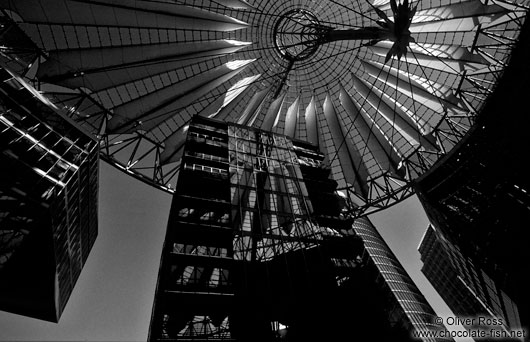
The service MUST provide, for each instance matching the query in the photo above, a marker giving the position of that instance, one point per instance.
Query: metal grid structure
(135, 72)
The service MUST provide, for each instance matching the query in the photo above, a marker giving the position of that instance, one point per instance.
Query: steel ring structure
(384, 88)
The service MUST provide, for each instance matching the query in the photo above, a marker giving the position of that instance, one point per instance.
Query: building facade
(412, 309)
(468, 290)
(478, 196)
(258, 248)
(48, 201)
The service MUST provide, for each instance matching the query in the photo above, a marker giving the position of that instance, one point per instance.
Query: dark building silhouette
(48, 201)
(478, 196)
(468, 290)
(258, 249)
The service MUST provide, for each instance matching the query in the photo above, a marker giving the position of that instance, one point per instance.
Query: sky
(113, 297)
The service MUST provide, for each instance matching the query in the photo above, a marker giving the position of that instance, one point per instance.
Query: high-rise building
(48, 201)
(411, 306)
(258, 248)
(468, 290)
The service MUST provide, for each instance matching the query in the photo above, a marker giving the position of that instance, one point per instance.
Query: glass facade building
(259, 246)
(466, 289)
(48, 201)
(411, 307)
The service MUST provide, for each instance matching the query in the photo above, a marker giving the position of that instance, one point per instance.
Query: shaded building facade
(48, 201)
(466, 289)
(258, 248)
(478, 196)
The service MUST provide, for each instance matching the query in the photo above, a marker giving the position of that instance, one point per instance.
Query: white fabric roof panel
(147, 67)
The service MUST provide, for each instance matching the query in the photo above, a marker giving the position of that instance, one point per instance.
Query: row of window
(206, 156)
(200, 250)
(253, 136)
(206, 277)
(246, 153)
(197, 327)
(206, 137)
(204, 168)
(203, 215)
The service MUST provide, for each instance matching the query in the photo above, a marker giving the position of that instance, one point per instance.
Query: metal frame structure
(136, 83)
(296, 34)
